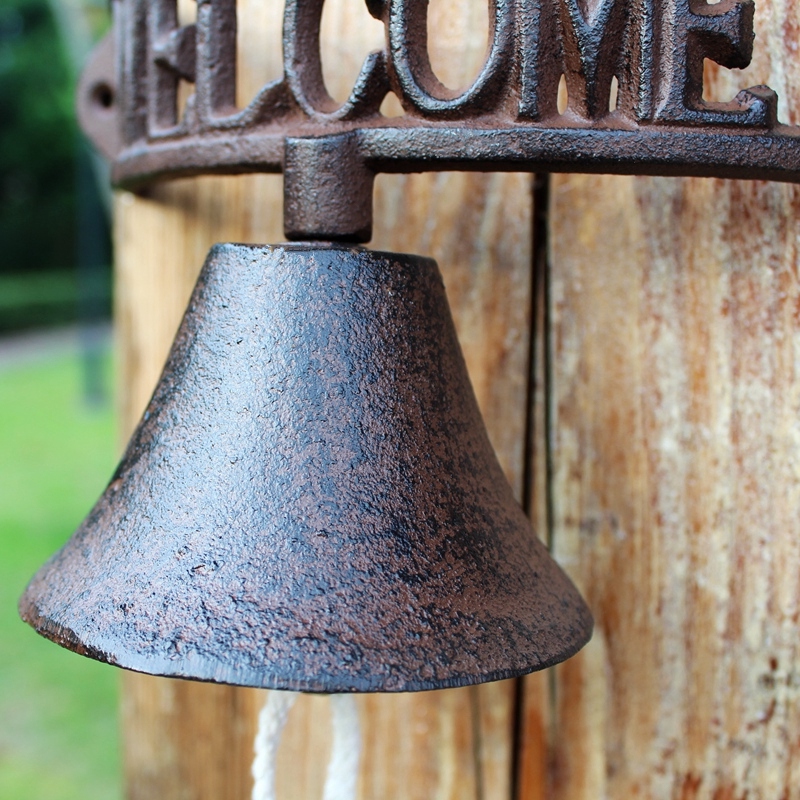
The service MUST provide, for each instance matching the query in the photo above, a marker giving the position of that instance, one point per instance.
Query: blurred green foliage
(43, 299)
(53, 233)
(58, 738)
(38, 136)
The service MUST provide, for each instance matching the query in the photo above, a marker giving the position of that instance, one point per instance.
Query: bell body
(310, 501)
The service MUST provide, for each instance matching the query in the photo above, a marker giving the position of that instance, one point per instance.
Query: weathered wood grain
(193, 741)
(675, 450)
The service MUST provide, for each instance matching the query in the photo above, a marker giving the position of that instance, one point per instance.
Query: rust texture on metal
(311, 501)
(507, 120)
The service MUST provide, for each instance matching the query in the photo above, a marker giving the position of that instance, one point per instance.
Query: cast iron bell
(311, 501)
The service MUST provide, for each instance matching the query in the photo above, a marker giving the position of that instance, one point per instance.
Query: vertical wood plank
(182, 740)
(478, 229)
(676, 443)
(194, 741)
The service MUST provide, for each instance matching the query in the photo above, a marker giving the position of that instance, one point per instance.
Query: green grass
(58, 723)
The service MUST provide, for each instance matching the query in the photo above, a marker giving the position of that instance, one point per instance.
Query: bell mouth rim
(254, 678)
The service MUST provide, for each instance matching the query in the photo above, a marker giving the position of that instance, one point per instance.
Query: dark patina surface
(311, 501)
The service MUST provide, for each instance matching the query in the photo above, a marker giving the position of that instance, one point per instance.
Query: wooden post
(654, 427)
(189, 741)
(674, 400)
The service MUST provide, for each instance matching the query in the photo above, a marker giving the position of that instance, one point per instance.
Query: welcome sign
(508, 119)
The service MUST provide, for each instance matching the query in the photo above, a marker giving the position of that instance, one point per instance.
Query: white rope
(342, 778)
(271, 722)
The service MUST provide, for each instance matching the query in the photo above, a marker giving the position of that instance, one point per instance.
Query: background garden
(58, 737)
